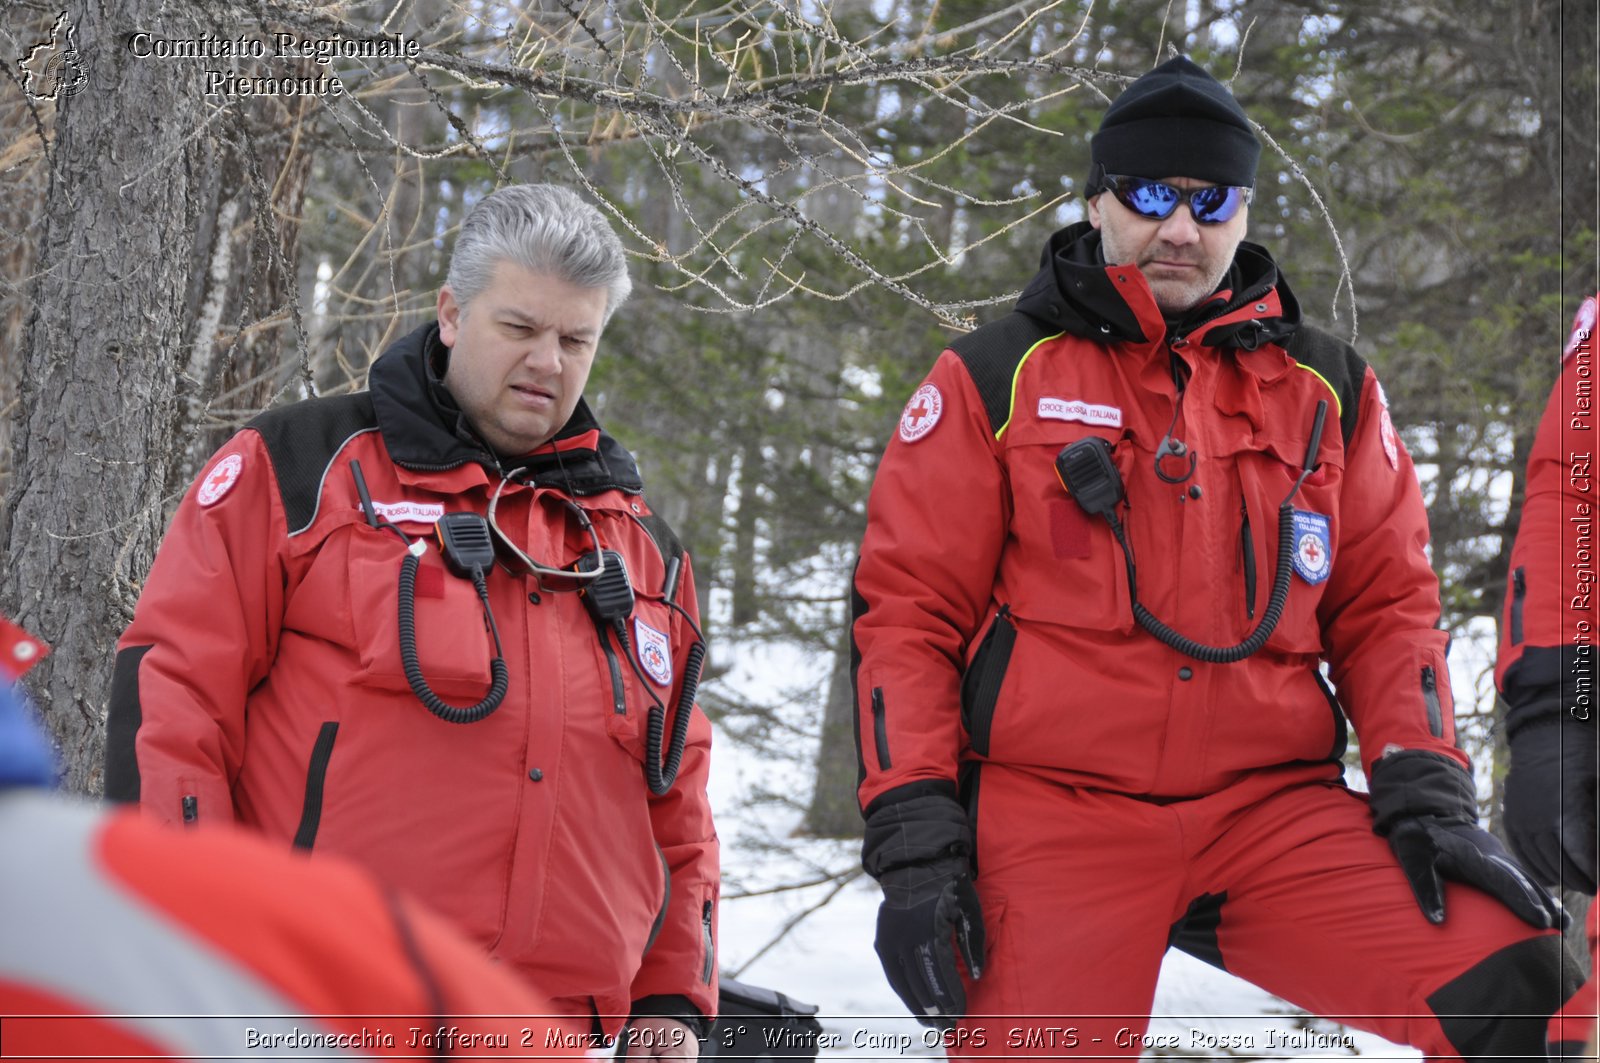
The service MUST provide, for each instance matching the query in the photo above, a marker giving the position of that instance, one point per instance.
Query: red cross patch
(655, 652)
(1391, 441)
(220, 480)
(921, 413)
(1313, 546)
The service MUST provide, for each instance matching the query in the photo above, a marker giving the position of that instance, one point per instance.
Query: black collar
(1073, 292)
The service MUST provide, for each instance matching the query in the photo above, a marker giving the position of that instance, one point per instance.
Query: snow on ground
(827, 959)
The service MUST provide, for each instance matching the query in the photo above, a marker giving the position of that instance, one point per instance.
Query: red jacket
(261, 680)
(1552, 608)
(126, 939)
(993, 616)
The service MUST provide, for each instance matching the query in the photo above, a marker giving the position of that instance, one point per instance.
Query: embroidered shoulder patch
(1391, 441)
(1313, 546)
(220, 480)
(654, 650)
(1386, 432)
(1076, 410)
(921, 413)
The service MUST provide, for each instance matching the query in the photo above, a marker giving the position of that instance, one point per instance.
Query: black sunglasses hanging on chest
(1088, 472)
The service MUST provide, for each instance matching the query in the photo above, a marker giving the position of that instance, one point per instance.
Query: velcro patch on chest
(1313, 546)
(654, 650)
(1078, 410)
(414, 512)
(1069, 530)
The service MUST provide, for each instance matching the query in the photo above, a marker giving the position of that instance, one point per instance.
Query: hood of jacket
(1073, 291)
(424, 429)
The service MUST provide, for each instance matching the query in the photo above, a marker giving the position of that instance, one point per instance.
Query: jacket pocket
(708, 942)
(1064, 566)
(305, 836)
(880, 729)
(985, 674)
(1247, 559)
(1341, 732)
(666, 901)
(1519, 594)
(1430, 701)
(451, 634)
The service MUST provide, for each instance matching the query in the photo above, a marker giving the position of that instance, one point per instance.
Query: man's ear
(449, 316)
(1094, 210)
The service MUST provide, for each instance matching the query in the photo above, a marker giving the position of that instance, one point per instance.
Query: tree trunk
(242, 308)
(834, 812)
(97, 436)
(22, 160)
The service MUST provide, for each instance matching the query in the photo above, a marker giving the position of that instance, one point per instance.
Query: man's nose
(1179, 229)
(543, 352)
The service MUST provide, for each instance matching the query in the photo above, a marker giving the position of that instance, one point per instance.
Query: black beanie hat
(1175, 121)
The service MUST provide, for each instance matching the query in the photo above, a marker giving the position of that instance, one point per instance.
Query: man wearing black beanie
(1117, 536)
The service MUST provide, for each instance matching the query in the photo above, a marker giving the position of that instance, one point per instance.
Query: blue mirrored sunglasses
(1210, 205)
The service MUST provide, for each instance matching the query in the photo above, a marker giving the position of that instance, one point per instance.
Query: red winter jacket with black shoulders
(1552, 611)
(262, 681)
(992, 615)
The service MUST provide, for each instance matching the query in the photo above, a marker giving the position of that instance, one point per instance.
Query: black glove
(1424, 804)
(924, 908)
(917, 848)
(1550, 794)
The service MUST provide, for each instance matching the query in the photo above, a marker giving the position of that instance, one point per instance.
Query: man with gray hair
(434, 626)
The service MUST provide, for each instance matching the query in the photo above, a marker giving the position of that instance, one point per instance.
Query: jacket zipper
(1519, 591)
(424, 466)
(619, 699)
(1430, 698)
(191, 809)
(1178, 340)
(880, 728)
(1249, 547)
(711, 945)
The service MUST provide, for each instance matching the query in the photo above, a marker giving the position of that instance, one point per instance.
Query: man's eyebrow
(528, 319)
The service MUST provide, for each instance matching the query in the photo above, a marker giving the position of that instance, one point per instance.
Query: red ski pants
(1573, 1030)
(1276, 879)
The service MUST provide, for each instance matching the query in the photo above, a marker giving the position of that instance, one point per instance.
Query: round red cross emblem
(220, 480)
(921, 413)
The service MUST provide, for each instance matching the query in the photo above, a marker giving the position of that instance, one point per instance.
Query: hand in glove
(925, 909)
(917, 848)
(1424, 804)
(1550, 795)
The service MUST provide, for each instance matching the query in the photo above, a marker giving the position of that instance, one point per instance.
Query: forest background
(817, 196)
